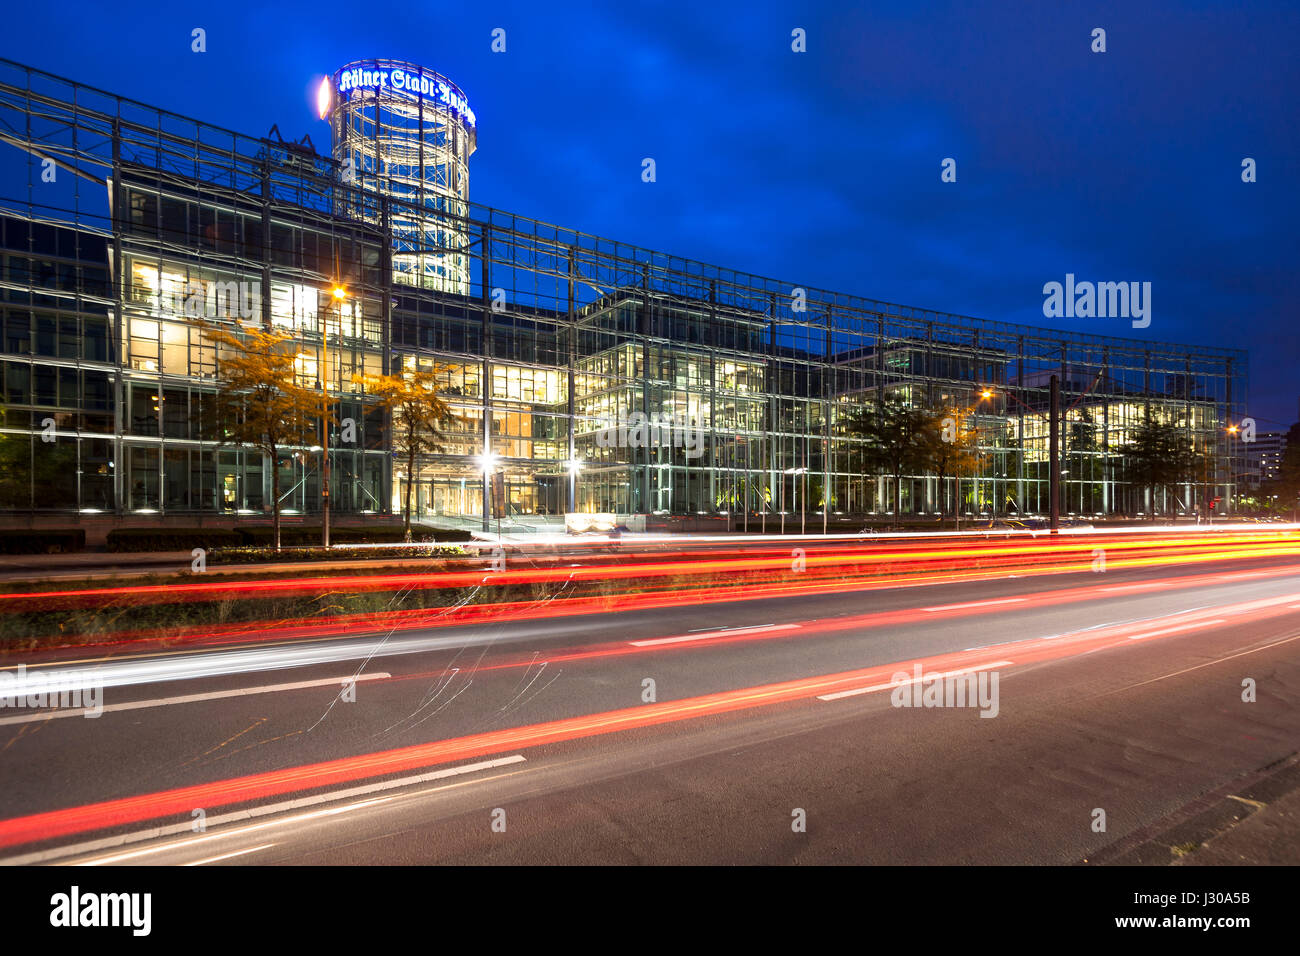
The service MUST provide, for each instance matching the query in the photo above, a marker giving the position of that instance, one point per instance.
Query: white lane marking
(1171, 630)
(1188, 670)
(306, 802)
(911, 680)
(227, 856)
(985, 647)
(39, 714)
(1128, 587)
(106, 843)
(712, 634)
(954, 607)
(181, 844)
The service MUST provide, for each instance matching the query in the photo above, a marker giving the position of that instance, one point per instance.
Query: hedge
(42, 541)
(256, 555)
(172, 539)
(263, 536)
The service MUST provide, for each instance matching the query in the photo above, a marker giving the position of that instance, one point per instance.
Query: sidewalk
(1254, 823)
(1268, 833)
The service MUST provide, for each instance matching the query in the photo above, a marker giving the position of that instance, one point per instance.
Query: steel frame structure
(591, 330)
(406, 141)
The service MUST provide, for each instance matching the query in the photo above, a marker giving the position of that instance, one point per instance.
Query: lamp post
(573, 465)
(1054, 445)
(339, 293)
(970, 412)
(488, 462)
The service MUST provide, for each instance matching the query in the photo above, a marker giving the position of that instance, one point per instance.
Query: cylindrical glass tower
(402, 131)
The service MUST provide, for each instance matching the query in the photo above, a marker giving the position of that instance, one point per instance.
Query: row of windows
(83, 277)
(45, 240)
(23, 383)
(81, 474)
(64, 335)
(203, 226)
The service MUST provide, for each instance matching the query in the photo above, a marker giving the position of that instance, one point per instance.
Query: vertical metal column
(119, 294)
(386, 340)
(644, 327)
(828, 390)
(325, 421)
(571, 332)
(485, 251)
(1054, 454)
(712, 463)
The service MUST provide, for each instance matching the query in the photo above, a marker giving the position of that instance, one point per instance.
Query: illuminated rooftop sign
(409, 81)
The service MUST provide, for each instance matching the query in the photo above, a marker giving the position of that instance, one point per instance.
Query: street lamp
(487, 463)
(972, 411)
(1233, 477)
(573, 466)
(339, 294)
(1053, 443)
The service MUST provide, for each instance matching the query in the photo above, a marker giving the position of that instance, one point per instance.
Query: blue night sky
(822, 168)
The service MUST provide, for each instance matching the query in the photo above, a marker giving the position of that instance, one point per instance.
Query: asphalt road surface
(1119, 709)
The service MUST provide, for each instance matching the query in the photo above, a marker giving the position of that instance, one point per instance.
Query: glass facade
(553, 346)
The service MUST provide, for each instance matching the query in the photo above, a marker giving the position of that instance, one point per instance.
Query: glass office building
(121, 225)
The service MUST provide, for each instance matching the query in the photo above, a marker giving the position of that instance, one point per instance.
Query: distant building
(1264, 457)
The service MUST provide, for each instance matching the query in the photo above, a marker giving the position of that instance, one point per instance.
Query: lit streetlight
(339, 293)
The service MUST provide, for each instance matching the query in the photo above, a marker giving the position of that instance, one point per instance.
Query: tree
(1158, 456)
(259, 402)
(895, 439)
(953, 458)
(35, 471)
(418, 417)
(15, 469)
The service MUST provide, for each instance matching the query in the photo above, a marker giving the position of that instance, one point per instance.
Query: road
(761, 731)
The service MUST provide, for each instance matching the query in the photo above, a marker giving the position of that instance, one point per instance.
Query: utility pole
(1054, 454)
